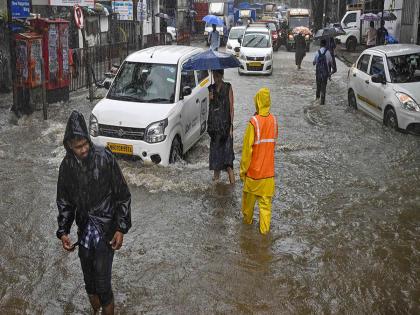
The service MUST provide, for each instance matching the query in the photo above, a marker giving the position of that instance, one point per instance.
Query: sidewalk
(348, 58)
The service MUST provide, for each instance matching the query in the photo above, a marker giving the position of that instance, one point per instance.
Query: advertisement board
(124, 10)
(21, 8)
(70, 3)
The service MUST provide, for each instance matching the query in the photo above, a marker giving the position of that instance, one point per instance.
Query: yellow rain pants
(256, 189)
(264, 203)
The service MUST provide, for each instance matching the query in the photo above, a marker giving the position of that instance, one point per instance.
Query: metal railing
(101, 59)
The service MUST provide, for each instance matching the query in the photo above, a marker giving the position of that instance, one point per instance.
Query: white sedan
(385, 83)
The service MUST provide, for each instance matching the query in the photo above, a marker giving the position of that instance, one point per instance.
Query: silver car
(385, 83)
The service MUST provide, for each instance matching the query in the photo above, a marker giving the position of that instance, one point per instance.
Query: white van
(153, 109)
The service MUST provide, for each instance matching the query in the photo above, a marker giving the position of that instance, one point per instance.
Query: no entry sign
(78, 17)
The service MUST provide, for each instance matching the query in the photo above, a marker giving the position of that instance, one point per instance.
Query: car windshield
(257, 40)
(236, 33)
(298, 21)
(404, 68)
(144, 82)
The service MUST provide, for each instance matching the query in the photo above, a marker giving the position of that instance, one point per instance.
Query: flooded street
(345, 223)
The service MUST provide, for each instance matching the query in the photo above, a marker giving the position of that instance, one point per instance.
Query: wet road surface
(345, 223)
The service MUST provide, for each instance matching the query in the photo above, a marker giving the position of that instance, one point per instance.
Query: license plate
(120, 148)
(255, 64)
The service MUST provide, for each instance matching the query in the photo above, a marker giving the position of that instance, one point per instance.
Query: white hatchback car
(256, 51)
(235, 33)
(154, 109)
(385, 83)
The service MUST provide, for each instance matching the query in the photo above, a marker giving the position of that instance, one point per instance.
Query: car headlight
(155, 132)
(206, 33)
(307, 37)
(290, 37)
(242, 56)
(93, 126)
(268, 57)
(407, 102)
(229, 46)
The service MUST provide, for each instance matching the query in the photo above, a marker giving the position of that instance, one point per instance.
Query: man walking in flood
(257, 163)
(323, 62)
(92, 190)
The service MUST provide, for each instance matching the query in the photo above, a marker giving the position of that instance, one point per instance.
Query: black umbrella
(162, 15)
(387, 16)
(329, 32)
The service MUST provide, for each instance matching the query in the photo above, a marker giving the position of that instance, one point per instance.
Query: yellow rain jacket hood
(259, 187)
(262, 102)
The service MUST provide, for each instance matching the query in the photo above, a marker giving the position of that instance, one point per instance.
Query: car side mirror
(237, 49)
(240, 41)
(107, 84)
(378, 78)
(186, 91)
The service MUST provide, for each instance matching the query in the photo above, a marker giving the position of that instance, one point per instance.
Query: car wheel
(351, 44)
(391, 119)
(176, 151)
(352, 99)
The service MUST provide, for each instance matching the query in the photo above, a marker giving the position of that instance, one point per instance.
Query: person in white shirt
(371, 35)
(214, 38)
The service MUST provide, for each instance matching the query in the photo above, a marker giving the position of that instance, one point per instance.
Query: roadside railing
(101, 59)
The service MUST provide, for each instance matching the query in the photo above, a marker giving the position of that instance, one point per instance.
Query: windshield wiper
(158, 100)
(129, 98)
(256, 44)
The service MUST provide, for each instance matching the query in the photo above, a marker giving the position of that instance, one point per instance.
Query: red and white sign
(78, 17)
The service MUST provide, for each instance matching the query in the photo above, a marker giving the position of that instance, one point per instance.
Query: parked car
(256, 51)
(153, 109)
(385, 83)
(235, 33)
(171, 31)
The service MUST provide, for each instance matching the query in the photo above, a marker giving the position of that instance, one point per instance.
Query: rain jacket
(259, 187)
(93, 188)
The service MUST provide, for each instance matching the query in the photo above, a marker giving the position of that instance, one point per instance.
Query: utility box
(28, 60)
(28, 80)
(55, 51)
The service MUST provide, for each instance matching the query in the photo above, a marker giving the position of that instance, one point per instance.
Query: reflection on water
(344, 232)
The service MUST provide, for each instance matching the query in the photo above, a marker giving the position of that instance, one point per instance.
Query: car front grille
(121, 132)
(255, 58)
(255, 68)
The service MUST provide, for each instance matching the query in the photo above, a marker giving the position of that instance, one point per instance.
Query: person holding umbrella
(221, 112)
(220, 127)
(214, 38)
(371, 35)
(300, 52)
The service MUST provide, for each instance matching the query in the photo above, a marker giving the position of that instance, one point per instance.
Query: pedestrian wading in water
(300, 52)
(92, 190)
(257, 162)
(220, 127)
(323, 62)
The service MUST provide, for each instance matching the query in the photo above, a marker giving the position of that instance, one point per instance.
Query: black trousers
(321, 89)
(97, 267)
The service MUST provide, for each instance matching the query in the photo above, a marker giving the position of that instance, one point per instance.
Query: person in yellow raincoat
(257, 163)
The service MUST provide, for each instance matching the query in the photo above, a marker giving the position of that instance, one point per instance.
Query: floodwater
(345, 224)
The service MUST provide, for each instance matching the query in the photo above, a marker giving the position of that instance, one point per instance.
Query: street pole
(324, 15)
(12, 52)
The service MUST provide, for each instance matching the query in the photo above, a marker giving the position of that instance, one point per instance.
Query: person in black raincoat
(92, 190)
(300, 52)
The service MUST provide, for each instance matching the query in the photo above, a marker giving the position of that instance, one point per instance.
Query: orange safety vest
(265, 136)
